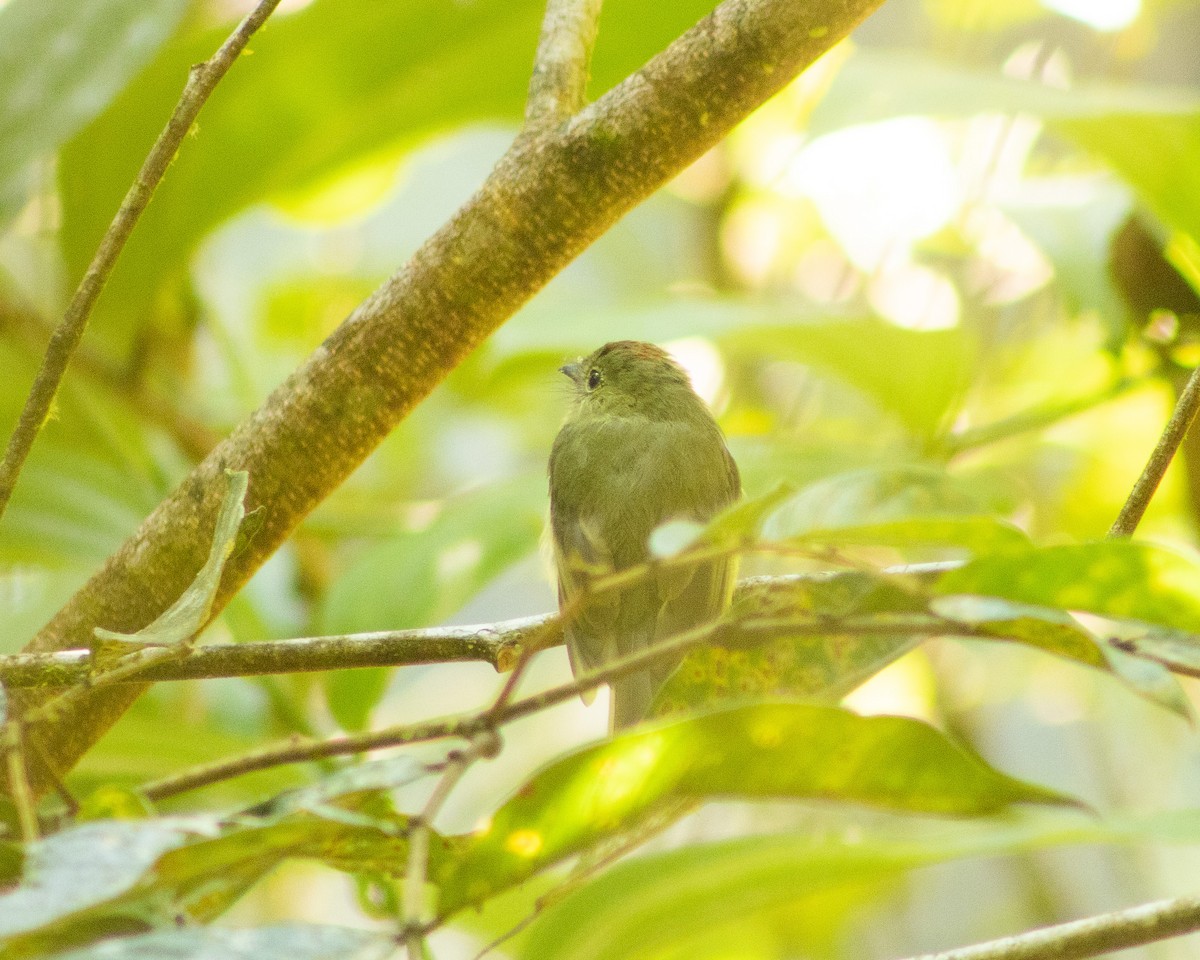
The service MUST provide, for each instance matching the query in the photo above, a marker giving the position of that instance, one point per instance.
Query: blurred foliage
(940, 292)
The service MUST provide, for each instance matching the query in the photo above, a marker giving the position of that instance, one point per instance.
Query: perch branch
(202, 79)
(496, 644)
(501, 644)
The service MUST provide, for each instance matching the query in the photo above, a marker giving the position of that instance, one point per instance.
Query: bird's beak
(573, 370)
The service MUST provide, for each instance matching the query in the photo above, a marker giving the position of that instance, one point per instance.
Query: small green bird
(638, 448)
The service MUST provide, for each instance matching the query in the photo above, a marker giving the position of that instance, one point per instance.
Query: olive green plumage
(639, 448)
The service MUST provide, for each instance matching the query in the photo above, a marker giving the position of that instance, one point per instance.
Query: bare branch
(302, 750)
(557, 88)
(1156, 467)
(1091, 937)
(504, 645)
(202, 79)
(494, 643)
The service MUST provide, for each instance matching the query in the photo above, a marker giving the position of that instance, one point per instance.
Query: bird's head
(628, 377)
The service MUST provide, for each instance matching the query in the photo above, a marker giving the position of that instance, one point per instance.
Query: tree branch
(501, 644)
(202, 80)
(413, 904)
(468, 726)
(545, 202)
(557, 88)
(496, 644)
(1091, 937)
(1156, 467)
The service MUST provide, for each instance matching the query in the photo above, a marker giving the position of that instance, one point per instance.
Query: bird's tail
(630, 700)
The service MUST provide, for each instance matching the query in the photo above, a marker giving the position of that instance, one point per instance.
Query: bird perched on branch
(638, 448)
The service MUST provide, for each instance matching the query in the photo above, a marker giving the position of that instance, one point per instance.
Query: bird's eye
(594, 378)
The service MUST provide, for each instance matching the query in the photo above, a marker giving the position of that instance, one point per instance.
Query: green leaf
(284, 941)
(875, 84)
(898, 505)
(62, 62)
(676, 904)
(821, 668)
(915, 375)
(113, 877)
(1046, 628)
(417, 63)
(673, 904)
(980, 535)
(1056, 631)
(1153, 153)
(739, 524)
(760, 751)
(421, 578)
(1152, 680)
(1112, 578)
(1147, 134)
(204, 879)
(184, 618)
(1175, 648)
(762, 658)
(87, 865)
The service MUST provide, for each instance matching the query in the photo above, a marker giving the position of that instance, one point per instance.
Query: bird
(637, 449)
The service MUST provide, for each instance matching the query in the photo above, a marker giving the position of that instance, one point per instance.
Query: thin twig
(18, 780)
(1172, 435)
(467, 726)
(298, 749)
(1088, 938)
(413, 905)
(202, 79)
(557, 87)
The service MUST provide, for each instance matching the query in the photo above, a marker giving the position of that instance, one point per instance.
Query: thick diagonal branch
(545, 202)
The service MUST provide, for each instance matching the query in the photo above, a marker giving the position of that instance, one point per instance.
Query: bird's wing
(581, 553)
(693, 595)
(589, 632)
